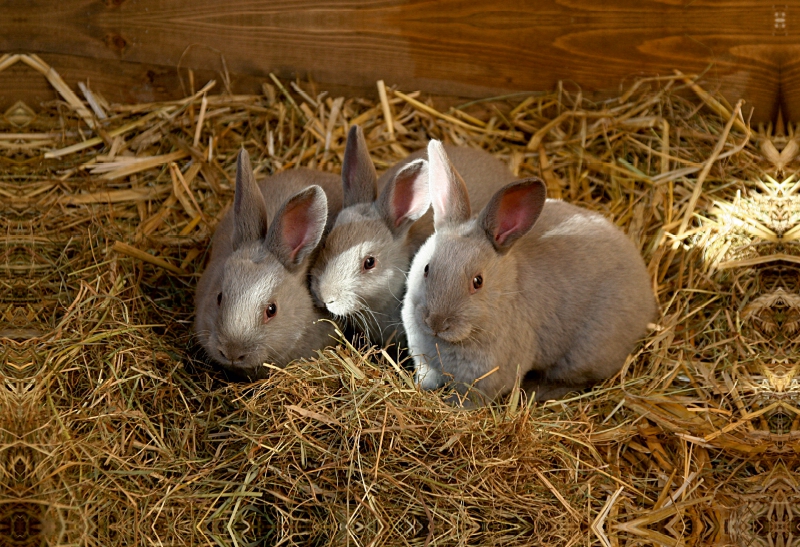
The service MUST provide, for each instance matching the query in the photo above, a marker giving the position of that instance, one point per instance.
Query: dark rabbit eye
(369, 262)
(477, 282)
(426, 269)
(270, 312)
(219, 299)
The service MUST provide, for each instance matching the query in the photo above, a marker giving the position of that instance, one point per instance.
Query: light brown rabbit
(360, 273)
(528, 287)
(252, 304)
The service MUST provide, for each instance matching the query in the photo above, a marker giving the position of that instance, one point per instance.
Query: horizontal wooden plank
(117, 81)
(129, 82)
(452, 47)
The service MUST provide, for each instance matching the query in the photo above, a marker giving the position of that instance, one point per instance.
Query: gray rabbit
(360, 273)
(252, 304)
(530, 288)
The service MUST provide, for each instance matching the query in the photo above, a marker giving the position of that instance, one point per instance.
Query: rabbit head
(262, 304)
(361, 267)
(461, 275)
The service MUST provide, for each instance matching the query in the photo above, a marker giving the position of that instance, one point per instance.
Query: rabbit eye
(369, 262)
(426, 270)
(270, 312)
(219, 299)
(477, 282)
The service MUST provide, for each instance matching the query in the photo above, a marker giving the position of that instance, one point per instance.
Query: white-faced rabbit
(529, 286)
(253, 304)
(360, 273)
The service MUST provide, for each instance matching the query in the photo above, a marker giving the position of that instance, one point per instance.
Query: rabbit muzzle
(339, 304)
(234, 352)
(333, 295)
(439, 323)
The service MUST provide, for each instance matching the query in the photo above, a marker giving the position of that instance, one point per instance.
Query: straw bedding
(115, 431)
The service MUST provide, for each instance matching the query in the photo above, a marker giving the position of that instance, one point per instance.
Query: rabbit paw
(428, 377)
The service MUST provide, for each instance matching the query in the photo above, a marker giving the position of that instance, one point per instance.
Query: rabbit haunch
(253, 305)
(360, 273)
(538, 289)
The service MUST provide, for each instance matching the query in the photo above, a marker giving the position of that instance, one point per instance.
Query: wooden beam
(451, 47)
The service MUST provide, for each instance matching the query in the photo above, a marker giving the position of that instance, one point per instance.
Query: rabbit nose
(437, 322)
(232, 351)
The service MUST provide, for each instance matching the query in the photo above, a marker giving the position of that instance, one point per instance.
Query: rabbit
(360, 273)
(252, 303)
(531, 288)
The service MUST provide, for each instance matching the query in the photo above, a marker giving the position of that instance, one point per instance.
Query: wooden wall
(129, 49)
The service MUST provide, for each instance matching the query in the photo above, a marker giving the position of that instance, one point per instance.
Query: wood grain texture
(453, 47)
(116, 81)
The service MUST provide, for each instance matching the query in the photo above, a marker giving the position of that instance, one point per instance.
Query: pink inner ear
(296, 229)
(410, 198)
(439, 195)
(514, 214)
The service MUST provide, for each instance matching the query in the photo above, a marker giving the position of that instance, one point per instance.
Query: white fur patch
(439, 175)
(339, 281)
(244, 309)
(426, 376)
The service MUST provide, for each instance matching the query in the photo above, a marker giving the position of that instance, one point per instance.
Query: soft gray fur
(255, 263)
(563, 304)
(368, 226)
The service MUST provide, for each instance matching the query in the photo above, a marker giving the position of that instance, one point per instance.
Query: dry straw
(122, 435)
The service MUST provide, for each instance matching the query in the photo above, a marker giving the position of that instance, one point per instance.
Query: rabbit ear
(298, 227)
(406, 197)
(249, 209)
(448, 192)
(512, 211)
(359, 179)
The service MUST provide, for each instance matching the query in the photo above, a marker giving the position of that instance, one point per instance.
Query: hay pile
(115, 432)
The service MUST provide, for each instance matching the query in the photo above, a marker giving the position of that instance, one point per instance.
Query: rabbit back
(585, 294)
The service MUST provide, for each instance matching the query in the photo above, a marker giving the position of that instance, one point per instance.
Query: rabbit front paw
(428, 377)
